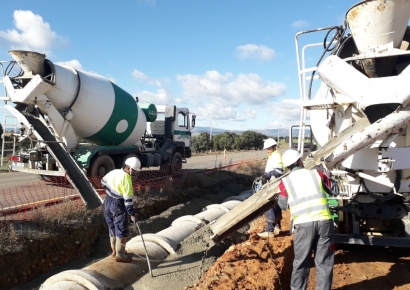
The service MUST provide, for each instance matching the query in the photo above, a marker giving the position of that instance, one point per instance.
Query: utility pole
(210, 135)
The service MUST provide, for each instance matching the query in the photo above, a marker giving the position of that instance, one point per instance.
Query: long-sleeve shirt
(274, 164)
(118, 185)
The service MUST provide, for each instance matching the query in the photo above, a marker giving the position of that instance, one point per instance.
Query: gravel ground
(195, 256)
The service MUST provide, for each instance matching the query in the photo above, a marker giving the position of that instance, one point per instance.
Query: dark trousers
(316, 237)
(116, 217)
(273, 217)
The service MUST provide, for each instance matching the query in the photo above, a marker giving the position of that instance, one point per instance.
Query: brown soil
(257, 263)
(261, 263)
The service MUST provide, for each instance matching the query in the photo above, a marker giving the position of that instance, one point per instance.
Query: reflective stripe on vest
(307, 199)
(118, 185)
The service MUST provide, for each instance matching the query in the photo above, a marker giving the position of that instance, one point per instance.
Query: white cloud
(214, 112)
(253, 51)
(285, 113)
(31, 33)
(140, 76)
(73, 63)
(160, 97)
(251, 113)
(300, 24)
(229, 90)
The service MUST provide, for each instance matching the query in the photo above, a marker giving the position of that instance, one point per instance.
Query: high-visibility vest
(274, 162)
(118, 184)
(306, 197)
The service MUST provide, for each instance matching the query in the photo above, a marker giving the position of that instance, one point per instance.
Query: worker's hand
(264, 179)
(134, 219)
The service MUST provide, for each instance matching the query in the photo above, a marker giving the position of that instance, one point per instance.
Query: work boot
(276, 230)
(112, 243)
(120, 248)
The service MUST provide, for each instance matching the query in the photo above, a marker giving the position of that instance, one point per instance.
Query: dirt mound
(260, 263)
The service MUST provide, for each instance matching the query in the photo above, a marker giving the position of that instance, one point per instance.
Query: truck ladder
(9, 121)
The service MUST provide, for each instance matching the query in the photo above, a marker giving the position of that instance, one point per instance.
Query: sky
(231, 62)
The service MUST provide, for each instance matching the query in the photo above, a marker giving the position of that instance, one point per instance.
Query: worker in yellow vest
(304, 192)
(117, 204)
(274, 168)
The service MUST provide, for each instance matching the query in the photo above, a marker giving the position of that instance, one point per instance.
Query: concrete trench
(108, 274)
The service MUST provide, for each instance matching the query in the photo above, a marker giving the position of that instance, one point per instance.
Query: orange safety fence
(20, 202)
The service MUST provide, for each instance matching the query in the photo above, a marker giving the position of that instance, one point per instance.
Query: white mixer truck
(85, 125)
(358, 99)
(357, 94)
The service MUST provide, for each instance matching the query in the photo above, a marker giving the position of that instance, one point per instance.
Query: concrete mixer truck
(94, 121)
(357, 95)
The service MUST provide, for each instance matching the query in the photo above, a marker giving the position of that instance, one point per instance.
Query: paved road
(13, 179)
(18, 188)
(212, 161)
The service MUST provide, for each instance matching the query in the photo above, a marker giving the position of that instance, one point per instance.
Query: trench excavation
(108, 274)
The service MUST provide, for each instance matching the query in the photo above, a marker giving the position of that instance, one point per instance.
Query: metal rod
(146, 253)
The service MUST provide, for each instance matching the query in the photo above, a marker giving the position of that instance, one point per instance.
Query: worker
(304, 192)
(117, 203)
(274, 168)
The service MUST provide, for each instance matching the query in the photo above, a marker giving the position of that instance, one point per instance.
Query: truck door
(182, 128)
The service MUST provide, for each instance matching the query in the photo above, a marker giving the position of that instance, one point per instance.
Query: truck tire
(176, 164)
(101, 166)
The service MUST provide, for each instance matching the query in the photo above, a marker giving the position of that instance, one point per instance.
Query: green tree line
(248, 140)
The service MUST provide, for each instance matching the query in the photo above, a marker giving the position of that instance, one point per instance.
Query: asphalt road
(13, 179)
(18, 188)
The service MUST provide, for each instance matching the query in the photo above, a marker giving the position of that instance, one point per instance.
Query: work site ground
(244, 261)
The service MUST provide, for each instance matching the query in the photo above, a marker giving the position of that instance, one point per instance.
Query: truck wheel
(176, 164)
(102, 165)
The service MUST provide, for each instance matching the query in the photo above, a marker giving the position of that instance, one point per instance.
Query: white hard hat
(269, 143)
(134, 163)
(290, 157)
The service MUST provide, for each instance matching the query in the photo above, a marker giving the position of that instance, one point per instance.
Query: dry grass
(251, 169)
(44, 222)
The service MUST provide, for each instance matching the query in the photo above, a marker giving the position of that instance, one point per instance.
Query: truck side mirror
(193, 121)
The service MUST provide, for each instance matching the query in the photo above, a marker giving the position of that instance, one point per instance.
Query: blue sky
(232, 61)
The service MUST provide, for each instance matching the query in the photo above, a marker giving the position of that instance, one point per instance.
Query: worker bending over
(117, 203)
(304, 192)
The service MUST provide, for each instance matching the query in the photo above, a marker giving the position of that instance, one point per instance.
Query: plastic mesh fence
(21, 202)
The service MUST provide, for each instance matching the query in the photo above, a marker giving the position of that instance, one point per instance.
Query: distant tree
(217, 142)
(201, 143)
(250, 140)
(224, 141)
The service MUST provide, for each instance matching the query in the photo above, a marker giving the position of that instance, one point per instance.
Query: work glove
(134, 219)
(264, 179)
